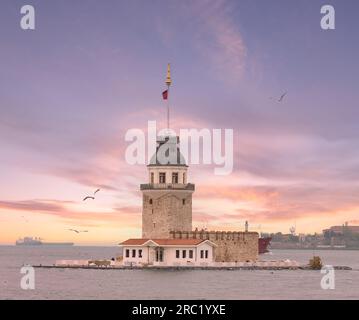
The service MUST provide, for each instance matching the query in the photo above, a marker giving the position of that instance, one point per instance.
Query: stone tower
(167, 197)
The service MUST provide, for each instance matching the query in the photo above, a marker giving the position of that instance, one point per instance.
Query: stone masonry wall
(231, 246)
(169, 211)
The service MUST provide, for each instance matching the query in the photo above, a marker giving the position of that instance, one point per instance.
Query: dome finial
(168, 78)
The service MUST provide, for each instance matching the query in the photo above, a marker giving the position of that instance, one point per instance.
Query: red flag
(165, 95)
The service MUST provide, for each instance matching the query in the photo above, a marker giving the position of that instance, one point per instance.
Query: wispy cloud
(237, 193)
(71, 214)
(212, 31)
(219, 39)
(47, 206)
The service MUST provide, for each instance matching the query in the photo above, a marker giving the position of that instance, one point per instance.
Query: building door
(151, 254)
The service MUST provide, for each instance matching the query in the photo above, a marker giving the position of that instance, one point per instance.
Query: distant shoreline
(115, 246)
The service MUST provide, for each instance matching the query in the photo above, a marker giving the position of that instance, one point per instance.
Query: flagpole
(168, 83)
(168, 108)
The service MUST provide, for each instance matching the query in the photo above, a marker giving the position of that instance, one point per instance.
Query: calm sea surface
(161, 284)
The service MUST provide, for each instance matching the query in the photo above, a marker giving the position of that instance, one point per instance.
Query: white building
(167, 252)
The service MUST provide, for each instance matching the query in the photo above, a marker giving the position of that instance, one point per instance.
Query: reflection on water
(161, 284)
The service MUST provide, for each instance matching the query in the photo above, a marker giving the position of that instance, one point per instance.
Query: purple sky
(93, 69)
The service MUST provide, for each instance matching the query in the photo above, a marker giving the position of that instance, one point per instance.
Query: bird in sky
(77, 231)
(91, 197)
(88, 197)
(280, 99)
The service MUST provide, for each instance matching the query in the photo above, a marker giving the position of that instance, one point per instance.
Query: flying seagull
(88, 197)
(91, 197)
(280, 98)
(77, 231)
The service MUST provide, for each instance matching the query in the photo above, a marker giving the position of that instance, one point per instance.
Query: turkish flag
(165, 95)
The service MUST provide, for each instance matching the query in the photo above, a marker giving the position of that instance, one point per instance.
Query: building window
(184, 179)
(162, 177)
(177, 254)
(175, 177)
(152, 177)
(201, 254)
(183, 254)
(159, 254)
(127, 253)
(183, 201)
(190, 254)
(140, 253)
(133, 253)
(206, 254)
(151, 201)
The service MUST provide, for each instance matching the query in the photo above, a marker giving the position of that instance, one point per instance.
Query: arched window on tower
(152, 178)
(184, 178)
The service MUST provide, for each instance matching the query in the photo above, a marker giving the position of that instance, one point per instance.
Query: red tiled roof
(134, 242)
(163, 242)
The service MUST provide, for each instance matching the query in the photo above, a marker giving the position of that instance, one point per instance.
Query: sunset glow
(68, 95)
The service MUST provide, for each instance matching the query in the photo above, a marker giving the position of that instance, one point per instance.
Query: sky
(91, 70)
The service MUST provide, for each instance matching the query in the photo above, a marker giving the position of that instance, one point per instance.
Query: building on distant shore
(341, 230)
(344, 235)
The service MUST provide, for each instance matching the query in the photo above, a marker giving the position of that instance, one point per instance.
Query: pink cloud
(237, 193)
(219, 39)
(123, 216)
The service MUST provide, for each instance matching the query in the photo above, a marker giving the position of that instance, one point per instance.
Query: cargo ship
(31, 241)
(263, 244)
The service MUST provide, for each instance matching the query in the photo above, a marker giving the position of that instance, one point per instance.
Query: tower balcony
(167, 186)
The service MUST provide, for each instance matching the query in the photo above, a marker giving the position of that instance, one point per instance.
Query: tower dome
(168, 153)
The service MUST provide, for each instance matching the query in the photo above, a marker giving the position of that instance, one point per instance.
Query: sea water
(171, 284)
